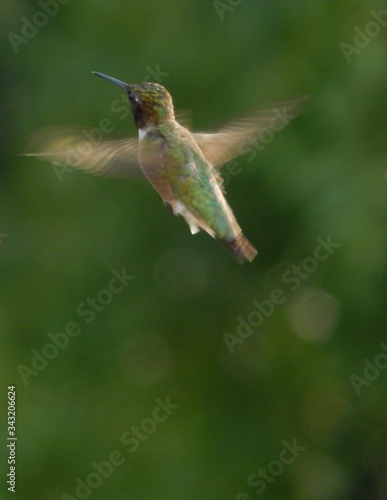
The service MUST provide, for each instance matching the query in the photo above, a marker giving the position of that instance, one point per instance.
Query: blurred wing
(76, 147)
(184, 117)
(230, 142)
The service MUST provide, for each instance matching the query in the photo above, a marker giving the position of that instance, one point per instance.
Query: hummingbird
(182, 166)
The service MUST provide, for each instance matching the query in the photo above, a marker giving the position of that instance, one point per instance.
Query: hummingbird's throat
(144, 117)
(140, 118)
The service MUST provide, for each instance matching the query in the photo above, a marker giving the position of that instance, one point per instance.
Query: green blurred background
(163, 335)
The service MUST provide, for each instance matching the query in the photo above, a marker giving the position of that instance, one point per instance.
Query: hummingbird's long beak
(111, 79)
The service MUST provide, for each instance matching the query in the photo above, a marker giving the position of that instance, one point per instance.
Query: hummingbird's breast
(153, 158)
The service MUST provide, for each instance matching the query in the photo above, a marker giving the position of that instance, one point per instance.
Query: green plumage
(178, 170)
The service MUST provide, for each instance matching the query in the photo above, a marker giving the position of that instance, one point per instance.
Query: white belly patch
(180, 209)
(142, 132)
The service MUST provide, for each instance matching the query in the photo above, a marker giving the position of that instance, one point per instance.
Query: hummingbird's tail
(240, 248)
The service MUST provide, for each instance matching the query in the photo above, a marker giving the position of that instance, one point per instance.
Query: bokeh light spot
(314, 314)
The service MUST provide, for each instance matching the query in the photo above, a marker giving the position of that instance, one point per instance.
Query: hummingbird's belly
(160, 182)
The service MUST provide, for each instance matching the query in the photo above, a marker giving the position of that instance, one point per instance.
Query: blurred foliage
(323, 176)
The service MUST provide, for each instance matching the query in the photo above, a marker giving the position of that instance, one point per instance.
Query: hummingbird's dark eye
(133, 98)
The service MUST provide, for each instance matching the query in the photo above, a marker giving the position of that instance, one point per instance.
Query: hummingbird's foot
(179, 211)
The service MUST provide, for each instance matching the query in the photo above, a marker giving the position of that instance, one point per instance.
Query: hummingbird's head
(151, 103)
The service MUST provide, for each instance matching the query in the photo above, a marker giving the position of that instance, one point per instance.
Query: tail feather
(241, 249)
